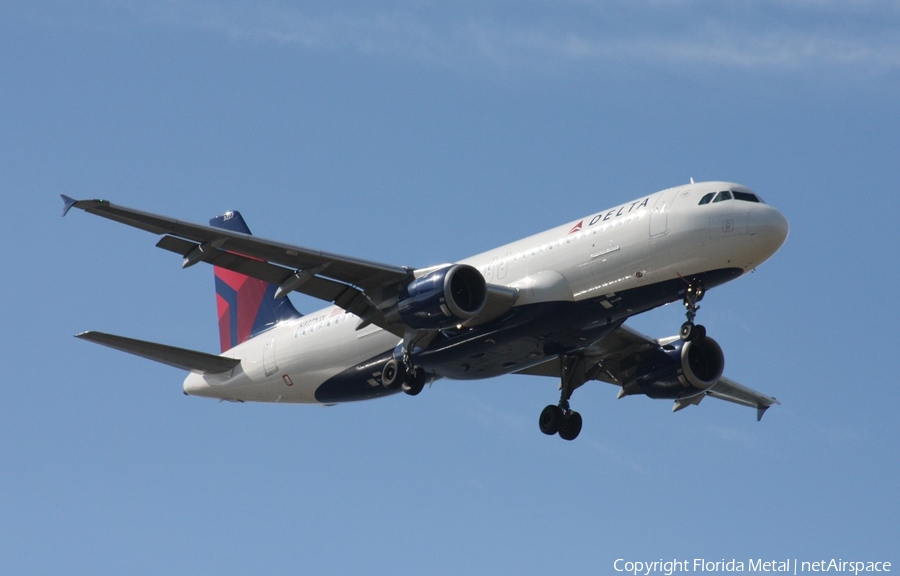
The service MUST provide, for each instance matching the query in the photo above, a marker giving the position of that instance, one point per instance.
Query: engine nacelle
(679, 368)
(443, 298)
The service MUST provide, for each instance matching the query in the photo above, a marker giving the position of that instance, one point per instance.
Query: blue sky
(417, 133)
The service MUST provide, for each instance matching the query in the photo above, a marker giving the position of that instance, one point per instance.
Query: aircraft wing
(199, 362)
(356, 285)
(615, 359)
(728, 389)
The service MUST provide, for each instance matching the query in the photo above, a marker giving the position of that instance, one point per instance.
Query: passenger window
(706, 199)
(722, 196)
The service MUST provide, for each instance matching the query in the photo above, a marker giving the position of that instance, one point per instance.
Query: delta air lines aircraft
(552, 304)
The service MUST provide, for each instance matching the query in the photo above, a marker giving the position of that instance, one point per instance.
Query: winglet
(760, 410)
(69, 202)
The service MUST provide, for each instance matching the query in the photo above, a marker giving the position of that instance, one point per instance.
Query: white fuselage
(653, 239)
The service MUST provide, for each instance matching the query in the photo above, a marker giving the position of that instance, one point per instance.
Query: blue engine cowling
(443, 298)
(680, 368)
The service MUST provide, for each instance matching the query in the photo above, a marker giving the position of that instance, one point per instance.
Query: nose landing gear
(690, 331)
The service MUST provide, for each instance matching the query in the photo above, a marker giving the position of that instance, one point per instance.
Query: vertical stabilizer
(246, 306)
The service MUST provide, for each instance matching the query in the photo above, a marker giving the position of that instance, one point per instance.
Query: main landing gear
(690, 331)
(561, 419)
(399, 374)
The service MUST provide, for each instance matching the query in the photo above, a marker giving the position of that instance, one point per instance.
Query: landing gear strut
(690, 331)
(561, 419)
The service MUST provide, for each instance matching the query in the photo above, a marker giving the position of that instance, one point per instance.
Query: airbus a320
(552, 304)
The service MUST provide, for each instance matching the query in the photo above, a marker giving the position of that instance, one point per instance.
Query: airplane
(552, 304)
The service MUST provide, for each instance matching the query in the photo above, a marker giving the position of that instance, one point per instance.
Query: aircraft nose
(770, 229)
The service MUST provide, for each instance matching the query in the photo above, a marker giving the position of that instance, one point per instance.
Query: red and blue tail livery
(246, 306)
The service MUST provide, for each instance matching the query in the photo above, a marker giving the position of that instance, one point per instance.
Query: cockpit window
(722, 196)
(746, 196)
(730, 195)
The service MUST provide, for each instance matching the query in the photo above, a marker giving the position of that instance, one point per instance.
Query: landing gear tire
(552, 420)
(415, 382)
(571, 426)
(692, 332)
(699, 332)
(392, 374)
(561, 419)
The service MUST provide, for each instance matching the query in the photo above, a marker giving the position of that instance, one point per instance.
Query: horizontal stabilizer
(199, 362)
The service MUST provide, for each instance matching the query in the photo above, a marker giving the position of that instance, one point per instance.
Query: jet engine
(678, 369)
(443, 298)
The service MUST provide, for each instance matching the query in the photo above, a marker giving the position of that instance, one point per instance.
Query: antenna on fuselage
(692, 179)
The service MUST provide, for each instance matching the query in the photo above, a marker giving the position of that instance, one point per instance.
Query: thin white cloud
(533, 34)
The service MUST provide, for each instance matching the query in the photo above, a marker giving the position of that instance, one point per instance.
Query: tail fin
(246, 306)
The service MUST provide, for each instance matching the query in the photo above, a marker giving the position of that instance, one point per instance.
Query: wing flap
(199, 362)
(345, 296)
(318, 287)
